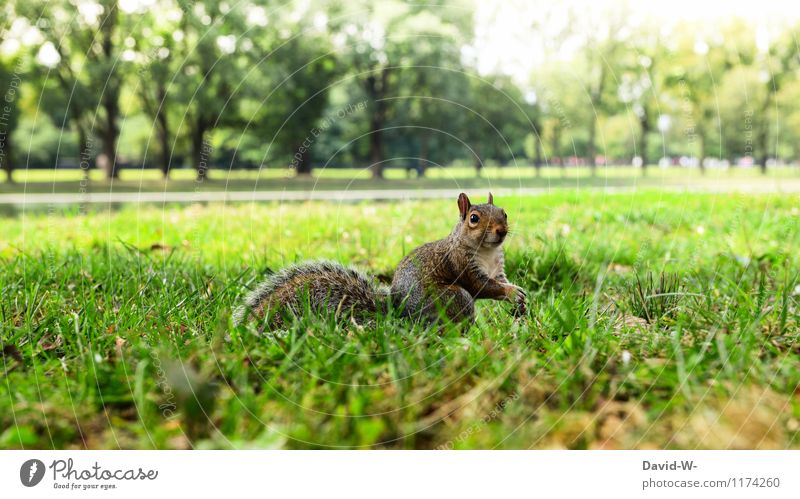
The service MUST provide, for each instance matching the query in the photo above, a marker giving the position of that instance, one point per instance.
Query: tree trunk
(702, 156)
(591, 152)
(84, 154)
(302, 161)
(376, 88)
(423, 154)
(200, 152)
(110, 97)
(376, 148)
(644, 125)
(596, 100)
(6, 156)
(107, 160)
(163, 138)
(555, 149)
(157, 109)
(478, 162)
(110, 134)
(762, 163)
(538, 160)
(163, 132)
(762, 139)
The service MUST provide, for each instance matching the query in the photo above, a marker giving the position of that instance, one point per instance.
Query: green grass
(115, 329)
(452, 177)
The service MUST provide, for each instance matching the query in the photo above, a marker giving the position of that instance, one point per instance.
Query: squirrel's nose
(501, 232)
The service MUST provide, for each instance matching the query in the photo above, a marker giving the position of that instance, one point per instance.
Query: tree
(601, 43)
(788, 138)
(561, 99)
(380, 43)
(690, 80)
(9, 113)
(210, 74)
(370, 54)
(288, 97)
(741, 95)
(501, 122)
(68, 103)
(82, 50)
(104, 68)
(157, 65)
(640, 84)
(697, 64)
(10, 68)
(432, 78)
(776, 65)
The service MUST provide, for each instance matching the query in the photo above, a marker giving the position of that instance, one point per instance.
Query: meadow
(450, 177)
(656, 320)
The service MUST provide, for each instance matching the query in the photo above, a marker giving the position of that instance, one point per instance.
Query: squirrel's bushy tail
(326, 287)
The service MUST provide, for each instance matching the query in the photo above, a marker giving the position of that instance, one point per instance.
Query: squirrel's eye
(473, 218)
(505, 215)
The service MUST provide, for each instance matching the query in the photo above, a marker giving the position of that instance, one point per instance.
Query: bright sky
(508, 40)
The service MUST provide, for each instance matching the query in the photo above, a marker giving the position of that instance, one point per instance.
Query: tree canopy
(262, 84)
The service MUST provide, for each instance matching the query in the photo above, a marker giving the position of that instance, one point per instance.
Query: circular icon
(31, 472)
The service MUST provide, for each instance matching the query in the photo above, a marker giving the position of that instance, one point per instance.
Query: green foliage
(250, 84)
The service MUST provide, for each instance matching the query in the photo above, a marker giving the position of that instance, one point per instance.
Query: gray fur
(328, 286)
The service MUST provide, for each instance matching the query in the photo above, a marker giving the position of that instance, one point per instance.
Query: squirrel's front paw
(516, 295)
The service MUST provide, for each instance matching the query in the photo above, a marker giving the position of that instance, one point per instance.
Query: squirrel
(444, 276)
(453, 272)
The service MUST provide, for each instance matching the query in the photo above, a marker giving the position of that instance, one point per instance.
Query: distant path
(370, 194)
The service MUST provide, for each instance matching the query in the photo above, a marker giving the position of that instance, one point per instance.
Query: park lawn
(451, 177)
(116, 333)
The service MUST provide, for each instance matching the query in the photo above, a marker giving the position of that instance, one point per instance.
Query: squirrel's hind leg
(453, 302)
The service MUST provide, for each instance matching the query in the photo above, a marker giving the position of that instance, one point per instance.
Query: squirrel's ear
(463, 205)
(491, 199)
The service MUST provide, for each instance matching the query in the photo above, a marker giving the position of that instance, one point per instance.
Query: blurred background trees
(114, 84)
